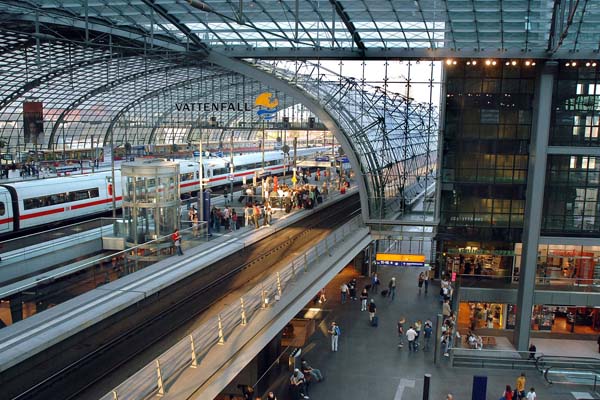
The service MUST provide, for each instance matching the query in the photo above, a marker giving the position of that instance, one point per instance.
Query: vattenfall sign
(266, 102)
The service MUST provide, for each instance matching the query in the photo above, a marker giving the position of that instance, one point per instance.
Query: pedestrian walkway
(369, 365)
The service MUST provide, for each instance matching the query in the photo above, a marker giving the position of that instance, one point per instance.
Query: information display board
(400, 260)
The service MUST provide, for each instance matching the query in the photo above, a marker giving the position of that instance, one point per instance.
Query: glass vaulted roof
(335, 28)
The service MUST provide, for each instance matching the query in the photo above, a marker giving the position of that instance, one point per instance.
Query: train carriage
(31, 204)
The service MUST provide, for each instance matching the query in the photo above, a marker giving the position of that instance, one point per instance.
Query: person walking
(335, 335)
(176, 238)
(344, 292)
(520, 388)
(508, 393)
(420, 281)
(392, 288)
(298, 383)
(426, 280)
(400, 327)
(531, 394)
(411, 336)
(352, 288)
(372, 310)
(364, 296)
(375, 283)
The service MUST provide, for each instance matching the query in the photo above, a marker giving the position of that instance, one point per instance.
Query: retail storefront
(554, 319)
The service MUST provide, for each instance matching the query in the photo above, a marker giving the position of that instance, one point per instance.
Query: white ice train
(30, 204)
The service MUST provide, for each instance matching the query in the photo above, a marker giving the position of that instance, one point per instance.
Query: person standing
(411, 336)
(426, 277)
(446, 310)
(520, 388)
(335, 335)
(372, 310)
(427, 332)
(343, 291)
(256, 215)
(271, 396)
(532, 351)
(364, 296)
(392, 288)
(176, 237)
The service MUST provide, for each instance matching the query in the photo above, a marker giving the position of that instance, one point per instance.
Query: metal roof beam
(339, 9)
(160, 10)
(99, 90)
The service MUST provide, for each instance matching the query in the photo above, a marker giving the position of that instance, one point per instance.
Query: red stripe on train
(73, 207)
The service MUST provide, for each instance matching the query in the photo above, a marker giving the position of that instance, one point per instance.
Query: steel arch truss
(393, 137)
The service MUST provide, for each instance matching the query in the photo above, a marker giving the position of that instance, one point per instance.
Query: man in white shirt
(344, 292)
(531, 394)
(411, 336)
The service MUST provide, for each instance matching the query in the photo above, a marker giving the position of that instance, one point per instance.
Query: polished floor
(369, 365)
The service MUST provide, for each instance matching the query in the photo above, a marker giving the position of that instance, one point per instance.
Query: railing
(491, 358)
(541, 282)
(217, 330)
(573, 377)
(544, 363)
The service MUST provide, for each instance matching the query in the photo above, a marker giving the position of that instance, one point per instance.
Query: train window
(219, 171)
(2, 208)
(187, 177)
(60, 198)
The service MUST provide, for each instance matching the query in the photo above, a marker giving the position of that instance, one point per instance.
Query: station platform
(369, 363)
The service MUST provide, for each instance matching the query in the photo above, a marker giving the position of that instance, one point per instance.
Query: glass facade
(486, 140)
(576, 106)
(571, 196)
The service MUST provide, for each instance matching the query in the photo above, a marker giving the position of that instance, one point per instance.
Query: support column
(536, 178)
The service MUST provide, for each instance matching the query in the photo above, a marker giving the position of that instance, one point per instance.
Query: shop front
(545, 318)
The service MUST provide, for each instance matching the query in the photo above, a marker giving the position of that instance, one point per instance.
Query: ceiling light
(573, 64)
(449, 61)
(587, 64)
(528, 63)
(453, 62)
(468, 62)
(494, 62)
(567, 64)
(474, 62)
(488, 62)
(200, 5)
(507, 63)
(593, 64)
(533, 63)
(513, 62)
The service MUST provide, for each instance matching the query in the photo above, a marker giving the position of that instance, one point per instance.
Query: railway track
(97, 359)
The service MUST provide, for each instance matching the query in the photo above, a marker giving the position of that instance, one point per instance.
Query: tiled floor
(369, 365)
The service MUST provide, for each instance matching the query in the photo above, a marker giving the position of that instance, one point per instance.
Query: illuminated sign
(400, 260)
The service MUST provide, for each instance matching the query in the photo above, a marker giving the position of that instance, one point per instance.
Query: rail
(573, 377)
(544, 363)
(460, 357)
(189, 352)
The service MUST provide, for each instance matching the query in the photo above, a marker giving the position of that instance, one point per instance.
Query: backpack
(337, 331)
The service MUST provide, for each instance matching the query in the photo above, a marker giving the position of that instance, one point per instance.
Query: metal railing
(486, 358)
(189, 352)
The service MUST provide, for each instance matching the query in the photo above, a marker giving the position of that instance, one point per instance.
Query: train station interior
(293, 199)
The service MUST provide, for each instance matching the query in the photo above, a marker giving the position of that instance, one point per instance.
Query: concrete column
(536, 178)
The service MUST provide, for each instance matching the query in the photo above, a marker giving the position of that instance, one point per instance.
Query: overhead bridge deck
(34, 348)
